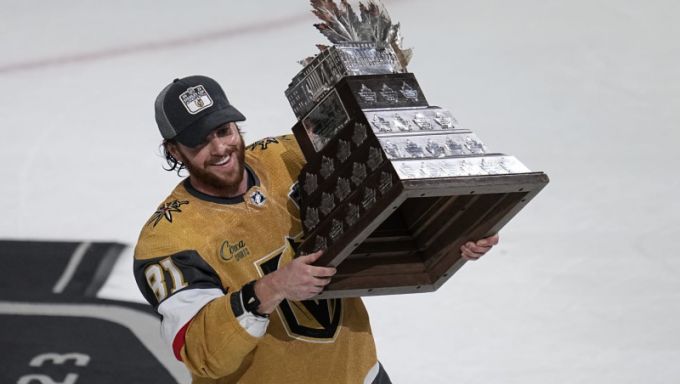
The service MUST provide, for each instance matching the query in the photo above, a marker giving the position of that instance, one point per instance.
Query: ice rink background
(585, 285)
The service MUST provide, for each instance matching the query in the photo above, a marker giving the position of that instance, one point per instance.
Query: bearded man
(217, 259)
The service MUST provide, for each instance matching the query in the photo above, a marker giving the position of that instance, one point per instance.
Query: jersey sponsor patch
(195, 99)
(236, 250)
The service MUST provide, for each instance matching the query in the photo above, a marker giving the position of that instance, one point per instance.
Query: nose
(217, 144)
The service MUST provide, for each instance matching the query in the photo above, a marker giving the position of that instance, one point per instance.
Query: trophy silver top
(372, 23)
(364, 43)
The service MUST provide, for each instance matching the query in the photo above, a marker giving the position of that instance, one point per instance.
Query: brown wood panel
(416, 212)
(403, 257)
(369, 282)
(385, 265)
(477, 230)
(451, 231)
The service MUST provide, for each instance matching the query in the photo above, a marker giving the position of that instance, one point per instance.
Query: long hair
(173, 164)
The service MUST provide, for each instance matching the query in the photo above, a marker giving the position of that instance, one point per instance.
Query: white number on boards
(79, 360)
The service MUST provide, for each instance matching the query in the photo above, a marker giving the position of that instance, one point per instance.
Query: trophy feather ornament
(372, 23)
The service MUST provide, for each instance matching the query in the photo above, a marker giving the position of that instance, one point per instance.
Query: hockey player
(217, 259)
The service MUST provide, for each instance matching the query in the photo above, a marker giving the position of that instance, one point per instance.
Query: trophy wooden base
(414, 247)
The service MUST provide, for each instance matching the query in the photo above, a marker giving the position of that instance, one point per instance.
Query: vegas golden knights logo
(195, 99)
(166, 210)
(263, 144)
(326, 313)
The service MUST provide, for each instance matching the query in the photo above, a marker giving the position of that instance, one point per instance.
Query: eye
(223, 131)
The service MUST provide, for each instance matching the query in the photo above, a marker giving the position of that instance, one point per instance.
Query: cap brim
(195, 134)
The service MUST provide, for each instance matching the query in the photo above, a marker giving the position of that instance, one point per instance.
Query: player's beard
(226, 183)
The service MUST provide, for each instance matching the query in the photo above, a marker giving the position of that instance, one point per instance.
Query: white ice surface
(585, 285)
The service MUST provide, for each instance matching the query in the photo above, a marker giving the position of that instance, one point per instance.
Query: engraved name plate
(325, 120)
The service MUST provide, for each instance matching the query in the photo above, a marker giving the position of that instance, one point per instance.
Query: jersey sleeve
(198, 318)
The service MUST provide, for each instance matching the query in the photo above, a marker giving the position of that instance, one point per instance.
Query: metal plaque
(325, 120)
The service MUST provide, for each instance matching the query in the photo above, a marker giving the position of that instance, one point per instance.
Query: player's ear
(171, 147)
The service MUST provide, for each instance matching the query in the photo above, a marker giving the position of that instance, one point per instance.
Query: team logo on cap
(195, 99)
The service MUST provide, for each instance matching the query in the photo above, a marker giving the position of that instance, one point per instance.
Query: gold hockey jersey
(197, 249)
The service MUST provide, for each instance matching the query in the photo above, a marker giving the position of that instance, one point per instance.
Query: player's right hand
(296, 281)
(300, 280)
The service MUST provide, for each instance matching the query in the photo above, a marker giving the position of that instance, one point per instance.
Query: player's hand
(473, 250)
(300, 280)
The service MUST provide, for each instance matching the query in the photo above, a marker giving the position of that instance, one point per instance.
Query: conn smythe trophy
(392, 186)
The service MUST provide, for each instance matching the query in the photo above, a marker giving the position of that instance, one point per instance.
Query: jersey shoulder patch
(263, 144)
(166, 211)
(166, 231)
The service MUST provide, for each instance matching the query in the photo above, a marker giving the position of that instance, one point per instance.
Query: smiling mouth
(224, 160)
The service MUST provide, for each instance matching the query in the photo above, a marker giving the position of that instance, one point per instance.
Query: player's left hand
(473, 250)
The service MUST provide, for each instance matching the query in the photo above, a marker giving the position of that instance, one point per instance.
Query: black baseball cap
(189, 108)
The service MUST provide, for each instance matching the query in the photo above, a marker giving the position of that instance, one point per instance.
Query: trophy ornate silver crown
(392, 186)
